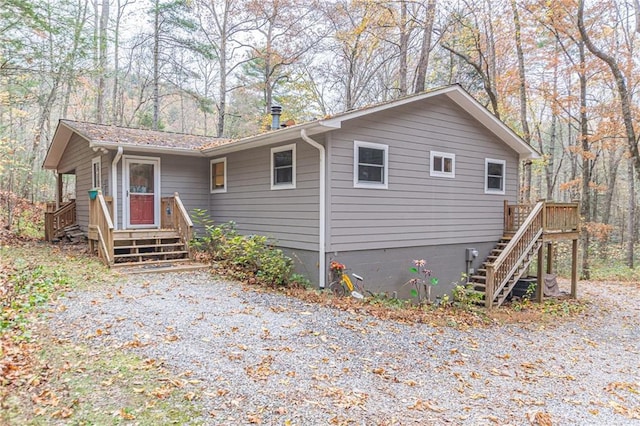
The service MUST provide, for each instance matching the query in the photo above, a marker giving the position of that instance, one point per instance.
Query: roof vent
(276, 110)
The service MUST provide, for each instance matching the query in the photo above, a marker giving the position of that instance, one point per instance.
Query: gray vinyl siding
(77, 157)
(290, 216)
(417, 209)
(188, 176)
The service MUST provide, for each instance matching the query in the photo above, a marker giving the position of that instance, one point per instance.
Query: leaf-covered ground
(195, 349)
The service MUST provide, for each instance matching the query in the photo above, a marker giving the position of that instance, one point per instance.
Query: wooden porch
(528, 228)
(168, 245)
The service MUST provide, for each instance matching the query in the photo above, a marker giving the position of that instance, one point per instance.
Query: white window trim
(96, 161)
(437, 173)
(292, 185)
(211, 163)
(356, 161)
(488, 190)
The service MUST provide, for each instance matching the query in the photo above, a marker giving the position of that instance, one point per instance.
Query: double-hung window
(96, 173)
(218, 172)
(283, 167)
(495, 173)
(370, 165)
(442, 164)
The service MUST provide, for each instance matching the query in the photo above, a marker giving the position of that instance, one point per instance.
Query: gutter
(323, 219)
(114, 185)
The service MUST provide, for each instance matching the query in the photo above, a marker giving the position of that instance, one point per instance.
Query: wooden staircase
(526, 228)
(143, 250)
(152, 247)
(478, 282)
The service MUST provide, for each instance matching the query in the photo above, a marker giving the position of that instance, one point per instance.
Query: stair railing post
(490, 287)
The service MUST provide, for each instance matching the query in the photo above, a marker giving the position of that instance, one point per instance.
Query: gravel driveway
(276, 360)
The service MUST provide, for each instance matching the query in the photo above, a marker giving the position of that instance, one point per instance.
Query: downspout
(322, 189)
(114, 186)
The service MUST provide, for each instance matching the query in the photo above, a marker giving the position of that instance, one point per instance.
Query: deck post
(540, 286)
(58, 190)
(574, 269)
(549, 257)
(506, 227)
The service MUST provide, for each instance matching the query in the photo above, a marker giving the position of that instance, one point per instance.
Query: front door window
(142, 194)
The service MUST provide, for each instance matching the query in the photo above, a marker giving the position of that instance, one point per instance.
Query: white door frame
(127, 160)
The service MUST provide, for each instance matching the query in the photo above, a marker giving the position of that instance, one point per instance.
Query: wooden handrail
(182, 222)
(100, 221)
(59, 219)
(558, 217)
(500, 271)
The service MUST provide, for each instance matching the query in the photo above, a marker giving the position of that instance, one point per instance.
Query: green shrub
(244, 256)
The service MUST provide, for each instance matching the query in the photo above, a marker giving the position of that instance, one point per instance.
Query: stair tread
(157, 237)
(151, 253)
(150, 262)
(149, 245)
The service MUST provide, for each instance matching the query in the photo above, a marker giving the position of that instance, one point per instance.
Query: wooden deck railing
(500, 271)
(56, 220)
(558, 217)
(101, 229)
(175, 216)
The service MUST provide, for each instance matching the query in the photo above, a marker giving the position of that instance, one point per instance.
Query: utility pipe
(114, 185)
(323, 225)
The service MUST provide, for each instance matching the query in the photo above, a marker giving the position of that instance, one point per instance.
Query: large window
(495, 172)
(283, 167)
(442, 164)
(96, 173)
(370, 165)
(219, 175)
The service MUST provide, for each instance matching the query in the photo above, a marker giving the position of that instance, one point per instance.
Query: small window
(219, 175)
(283, 167)
(370, 165)
(96, 173)
(443, 164)
(494, 176)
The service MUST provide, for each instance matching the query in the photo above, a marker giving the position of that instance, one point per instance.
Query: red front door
(141, 192)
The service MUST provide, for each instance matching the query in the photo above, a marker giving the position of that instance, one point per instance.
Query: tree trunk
(523, 97)
(631, 231)
(102, 60)
(222, 88)
(156, 65)
(586, 163)
(404, 47)
(425, 49)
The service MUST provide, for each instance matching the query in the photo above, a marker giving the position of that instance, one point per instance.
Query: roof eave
(493, 124)
(264, 139)
(154, 149)
(61, 138)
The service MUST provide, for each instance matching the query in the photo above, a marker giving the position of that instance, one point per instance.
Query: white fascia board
(269, 138)
(148, 148)
(61, 138)
(493, 124)
(337, 120)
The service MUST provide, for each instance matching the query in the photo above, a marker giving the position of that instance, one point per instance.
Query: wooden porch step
(144, 235)
(146, 246)
(162, 268)
(150, 263)
(150, 253)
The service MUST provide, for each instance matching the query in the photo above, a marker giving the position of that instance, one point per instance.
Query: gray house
(422, 177)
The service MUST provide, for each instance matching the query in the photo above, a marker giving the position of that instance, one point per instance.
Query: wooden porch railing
(519, 247)
(558, 217)
(101, 229)
(175, 216)
(55, 220)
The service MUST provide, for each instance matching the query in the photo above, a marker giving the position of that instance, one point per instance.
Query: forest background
(563, 74)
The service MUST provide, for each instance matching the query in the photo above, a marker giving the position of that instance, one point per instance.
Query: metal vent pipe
(276, 110)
